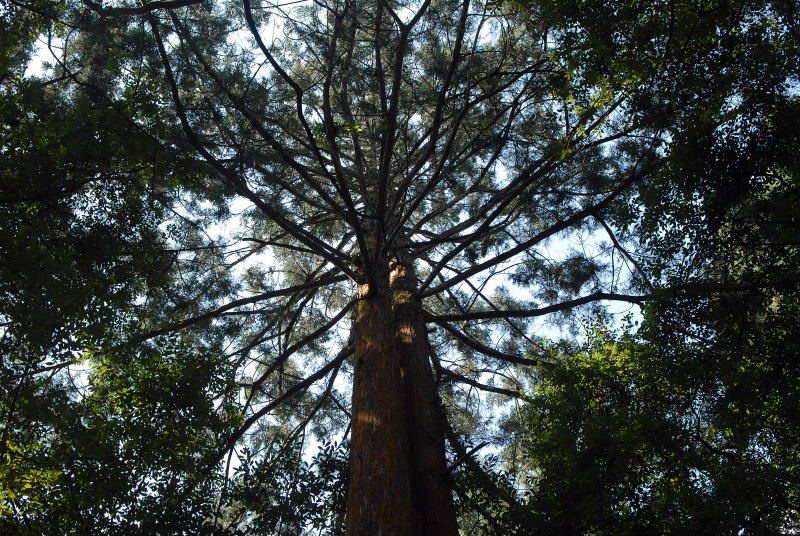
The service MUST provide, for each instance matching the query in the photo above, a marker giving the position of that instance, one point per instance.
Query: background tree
(689, 427)
(83, 195)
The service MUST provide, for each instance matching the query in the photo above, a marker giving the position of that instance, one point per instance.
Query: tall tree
(401, 169)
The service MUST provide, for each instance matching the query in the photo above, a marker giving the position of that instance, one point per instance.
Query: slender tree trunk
(431, 487)
(379, 500)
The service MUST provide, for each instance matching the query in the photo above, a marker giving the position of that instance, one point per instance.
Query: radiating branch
(530, 313)
(302, 235)
(482, 386)
(277, 401)
(326, 279)
(532, 241)
(486, 350)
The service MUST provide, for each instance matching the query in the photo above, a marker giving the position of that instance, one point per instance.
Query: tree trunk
(431, 488)
(379, 500)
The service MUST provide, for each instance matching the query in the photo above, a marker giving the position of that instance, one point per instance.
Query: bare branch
(627, 255)
(483, 387)
(458, 461)
(325, 328)
(295, 389)
(491, 352)
(326, 279)
(530, 313)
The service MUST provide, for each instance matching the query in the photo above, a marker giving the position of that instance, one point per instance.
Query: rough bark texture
(379, 501)
(431, 487)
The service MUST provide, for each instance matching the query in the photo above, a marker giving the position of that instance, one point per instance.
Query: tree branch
(491, 352)
(296, 388)
(482, 386)
(537, 238)
(302, 235)
(529, 313)
(139, 10)
(326, 279)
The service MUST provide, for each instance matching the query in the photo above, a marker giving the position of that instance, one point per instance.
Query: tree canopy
(349, 267)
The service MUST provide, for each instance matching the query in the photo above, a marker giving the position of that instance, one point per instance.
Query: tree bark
(379, 500)
(431, 487)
